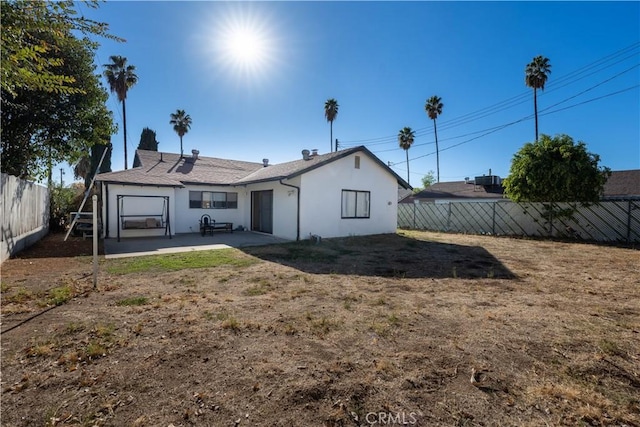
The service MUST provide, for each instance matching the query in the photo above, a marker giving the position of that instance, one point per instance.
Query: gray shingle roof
(167, 169)
(620, 184)
(456, 190)
(623, 184)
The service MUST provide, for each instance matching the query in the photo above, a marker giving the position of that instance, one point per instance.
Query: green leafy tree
(330, 113)
(535, 76)
(433, 107)
(40, 128)
(555, 170)
(181, 122)
(406, 136)
(148, 140)
(121, 77)
(29, 60)
(428, 180)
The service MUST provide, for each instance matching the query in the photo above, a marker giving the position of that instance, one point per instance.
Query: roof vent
(195, 154)
(265, 162)
(314, 152)
(305, 154)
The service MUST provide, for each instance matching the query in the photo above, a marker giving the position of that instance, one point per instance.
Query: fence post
(449, 218)
(493, 221)
(629, 222)
(414, 214)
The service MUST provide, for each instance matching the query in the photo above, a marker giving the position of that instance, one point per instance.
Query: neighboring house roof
(623, 184)
(167, 169)
(456, 190)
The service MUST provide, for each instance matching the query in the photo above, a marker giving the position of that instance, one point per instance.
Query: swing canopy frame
(152, 221)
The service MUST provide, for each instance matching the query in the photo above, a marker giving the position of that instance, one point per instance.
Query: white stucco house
(349, 192)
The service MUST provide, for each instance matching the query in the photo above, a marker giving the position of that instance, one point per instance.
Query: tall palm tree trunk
(331, 136)
(435, 130)
(181, 152)
(124, 125)
(408, 178)
(535, 109)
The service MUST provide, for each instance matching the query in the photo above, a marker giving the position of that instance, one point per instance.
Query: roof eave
(143, 184)
(346, 153)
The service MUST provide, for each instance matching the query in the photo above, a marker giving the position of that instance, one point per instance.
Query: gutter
(298, 208)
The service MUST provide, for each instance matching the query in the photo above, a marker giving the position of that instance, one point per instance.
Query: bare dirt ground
(382, 330)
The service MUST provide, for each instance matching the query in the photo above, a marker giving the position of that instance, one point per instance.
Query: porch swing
(152, 221)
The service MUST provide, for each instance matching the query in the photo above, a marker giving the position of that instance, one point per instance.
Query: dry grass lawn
(351, 332)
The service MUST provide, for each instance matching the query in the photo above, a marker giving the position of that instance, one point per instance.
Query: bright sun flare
(244, 44)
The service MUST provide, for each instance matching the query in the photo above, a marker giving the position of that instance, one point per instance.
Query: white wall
(320, 203)
(137, 206)
(284, 207)
(188, 219)
(321, 198)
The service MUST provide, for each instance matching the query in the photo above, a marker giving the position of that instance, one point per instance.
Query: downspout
(106, 215)
(298, 209)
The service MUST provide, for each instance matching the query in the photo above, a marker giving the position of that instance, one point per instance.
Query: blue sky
(381, 61)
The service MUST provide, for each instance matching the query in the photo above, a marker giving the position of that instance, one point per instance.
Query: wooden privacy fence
(607, 221)
(25, 214)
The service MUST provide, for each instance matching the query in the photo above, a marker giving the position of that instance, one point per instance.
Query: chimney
(265, 162)
(305, 154)
(194, 154)
(314, 152)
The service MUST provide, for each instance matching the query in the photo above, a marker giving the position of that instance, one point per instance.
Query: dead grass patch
(323, 334)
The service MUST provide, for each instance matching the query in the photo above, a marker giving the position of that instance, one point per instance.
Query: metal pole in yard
(94, 232)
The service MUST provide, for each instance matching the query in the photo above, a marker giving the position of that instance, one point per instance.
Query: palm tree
(121, 77)
(405, 140)
(82, 169)
(181, 122)
(433, 107)
(535, 76)
(331, 112)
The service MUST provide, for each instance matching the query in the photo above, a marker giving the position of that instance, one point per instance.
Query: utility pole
(336, 144)
(61, 173)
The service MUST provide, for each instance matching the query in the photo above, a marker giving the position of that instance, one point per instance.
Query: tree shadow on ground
(386, 255)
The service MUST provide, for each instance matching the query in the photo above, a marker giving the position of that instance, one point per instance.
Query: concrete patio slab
(141, 246)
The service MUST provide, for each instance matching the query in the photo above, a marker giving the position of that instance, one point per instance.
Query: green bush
(64, 200)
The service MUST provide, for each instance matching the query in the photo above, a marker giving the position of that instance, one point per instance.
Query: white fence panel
(25, 214)
(607, 221)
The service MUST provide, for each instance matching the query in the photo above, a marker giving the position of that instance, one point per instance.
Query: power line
(563, 81)
(545, 109)
(498, 128)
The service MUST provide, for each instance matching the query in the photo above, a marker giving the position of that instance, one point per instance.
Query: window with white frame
(213, 200)
(355, 204)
